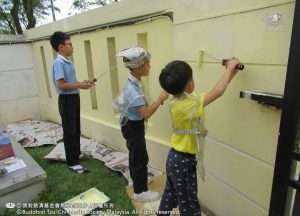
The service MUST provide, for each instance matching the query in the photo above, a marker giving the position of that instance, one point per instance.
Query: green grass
(61, 184)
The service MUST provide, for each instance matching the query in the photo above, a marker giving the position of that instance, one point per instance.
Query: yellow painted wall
(159, 34)
(242, 139)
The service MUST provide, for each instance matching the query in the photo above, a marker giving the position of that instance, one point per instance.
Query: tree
(15, 15)
(6, 23)
(84, 5)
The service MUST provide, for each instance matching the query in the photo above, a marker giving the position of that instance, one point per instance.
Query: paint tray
(85, 202)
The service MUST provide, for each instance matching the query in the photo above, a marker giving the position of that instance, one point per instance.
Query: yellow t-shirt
(181, 110)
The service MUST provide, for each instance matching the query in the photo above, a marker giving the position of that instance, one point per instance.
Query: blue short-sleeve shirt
(133, 97)
(63, 69)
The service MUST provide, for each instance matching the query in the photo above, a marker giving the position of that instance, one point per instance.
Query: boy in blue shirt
(134, 110)
(66, 85)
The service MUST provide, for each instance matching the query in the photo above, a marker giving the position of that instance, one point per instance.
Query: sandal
(79, 169)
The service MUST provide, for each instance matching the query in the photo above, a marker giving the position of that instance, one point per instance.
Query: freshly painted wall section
(160, 48)
(242, 139)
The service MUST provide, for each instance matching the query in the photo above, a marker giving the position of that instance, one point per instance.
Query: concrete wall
(18, 92)
(242, 139)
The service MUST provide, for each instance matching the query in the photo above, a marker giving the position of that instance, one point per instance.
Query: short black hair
(127, 60)
(175, 76)
(58, 38)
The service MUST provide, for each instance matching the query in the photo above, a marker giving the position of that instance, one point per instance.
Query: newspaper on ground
(119, 163)
(115, 160)
(88, 146)
(153, 172)
(58, 153)
(32, 133)
(101, 152)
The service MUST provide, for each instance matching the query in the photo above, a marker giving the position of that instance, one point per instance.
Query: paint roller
(106, 72)
(222, 61)
(238, 66)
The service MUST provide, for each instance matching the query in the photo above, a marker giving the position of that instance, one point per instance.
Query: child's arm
(221, 86)
(148, 111)
(61, 84)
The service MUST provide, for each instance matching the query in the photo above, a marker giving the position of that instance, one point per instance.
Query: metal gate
(288, 149)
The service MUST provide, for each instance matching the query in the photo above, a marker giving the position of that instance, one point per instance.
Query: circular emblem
(275, 19)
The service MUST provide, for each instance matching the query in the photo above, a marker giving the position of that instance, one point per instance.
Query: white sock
(77, 167)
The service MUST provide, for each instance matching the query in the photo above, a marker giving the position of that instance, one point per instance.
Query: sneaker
(146, 196)
(130, 182)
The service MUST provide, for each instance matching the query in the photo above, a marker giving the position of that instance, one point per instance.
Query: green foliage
(63, 184)
(86, 4)
(16, 15)
(6, 25)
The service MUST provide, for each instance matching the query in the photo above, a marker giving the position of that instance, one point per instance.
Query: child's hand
(163, 96)
(86, 84)
(231, 64)
(91, 82)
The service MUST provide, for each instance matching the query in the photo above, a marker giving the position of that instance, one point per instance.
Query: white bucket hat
(137, 56)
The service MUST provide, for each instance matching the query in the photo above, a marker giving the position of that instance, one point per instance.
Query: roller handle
(238, 66)
(93, 81)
